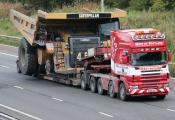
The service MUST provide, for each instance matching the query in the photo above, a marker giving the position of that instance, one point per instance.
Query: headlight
(166, 85)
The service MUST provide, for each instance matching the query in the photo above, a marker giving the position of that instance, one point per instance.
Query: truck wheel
(93, 85)
(27, 58)
(122, 92)
(83, 82)
(49, 67)
(100, 87)
(161, 97)
(111, 90)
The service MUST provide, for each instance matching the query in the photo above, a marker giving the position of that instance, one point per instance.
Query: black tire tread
(30, 66)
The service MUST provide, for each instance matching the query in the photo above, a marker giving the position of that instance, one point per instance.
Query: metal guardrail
(12, 37)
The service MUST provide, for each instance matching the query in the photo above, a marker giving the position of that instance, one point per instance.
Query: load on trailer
(134, 64)
(52, 45)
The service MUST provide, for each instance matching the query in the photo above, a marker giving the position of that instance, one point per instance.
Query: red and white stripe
(142, 91)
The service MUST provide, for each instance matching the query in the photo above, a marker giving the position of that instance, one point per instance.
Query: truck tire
(122, 92)
(100, 89)
(84, 86)
(161, 97)
(111, 90)
(49, 67)
(27, 58)
(93, 84)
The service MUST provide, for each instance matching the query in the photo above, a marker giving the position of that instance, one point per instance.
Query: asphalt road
(45, 100)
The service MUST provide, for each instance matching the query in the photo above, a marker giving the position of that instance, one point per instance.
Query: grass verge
(172, 69)
(12, 42)
(6, 28)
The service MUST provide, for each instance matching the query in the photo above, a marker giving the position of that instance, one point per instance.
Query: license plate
(151, 90)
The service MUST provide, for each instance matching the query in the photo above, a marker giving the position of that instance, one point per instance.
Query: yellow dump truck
(54, 43)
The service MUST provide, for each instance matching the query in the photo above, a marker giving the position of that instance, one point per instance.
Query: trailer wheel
(111, 91)
(122, 92)
(161, 97)
(93, 84)
(100, 87)
(27, 58)
(83, 82)
(49, 67)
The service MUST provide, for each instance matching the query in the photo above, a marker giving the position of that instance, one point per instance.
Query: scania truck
(133, 63)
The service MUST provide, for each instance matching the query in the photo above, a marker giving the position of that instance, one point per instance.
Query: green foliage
(49, 5)
(117, 3)
(140, 4)
(7, 41)
(172, 69)
(170, 4)
(6, 28)
(158, 5)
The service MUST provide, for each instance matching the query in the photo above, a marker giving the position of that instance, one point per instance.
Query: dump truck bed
(29, 27)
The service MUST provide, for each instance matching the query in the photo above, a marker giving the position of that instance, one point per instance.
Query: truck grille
(151, 80)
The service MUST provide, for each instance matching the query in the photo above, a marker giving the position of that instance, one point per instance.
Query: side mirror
(124, 59)
(169, 55)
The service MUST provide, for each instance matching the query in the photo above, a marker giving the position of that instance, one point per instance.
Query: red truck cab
(135, 64)
(139, 58)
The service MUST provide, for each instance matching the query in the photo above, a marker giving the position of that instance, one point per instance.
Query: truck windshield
(151, 58)
(106, 28)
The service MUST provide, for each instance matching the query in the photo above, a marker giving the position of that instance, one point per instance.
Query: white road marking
(57, 99)
(105, 114)
(170, 110)
(20, 112)
(8, 46)
(18, 87)
(6, 116)
(4, 66)
(2, 53)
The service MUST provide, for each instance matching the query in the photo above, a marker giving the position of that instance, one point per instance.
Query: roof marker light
(152, 49)
(157, 48)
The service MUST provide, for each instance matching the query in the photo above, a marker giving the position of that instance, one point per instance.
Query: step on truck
(134, 63)
(53, 43)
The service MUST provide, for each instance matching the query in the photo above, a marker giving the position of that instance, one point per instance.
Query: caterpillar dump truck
(134, 64)
(53, 43)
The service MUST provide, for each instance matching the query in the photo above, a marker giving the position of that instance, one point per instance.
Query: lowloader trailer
(53, 43)
(135, 64)
(79, 49)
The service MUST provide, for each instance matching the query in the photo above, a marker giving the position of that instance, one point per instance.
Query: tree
(158, 5)
(140, 4)
(117, 3)
(170, 4)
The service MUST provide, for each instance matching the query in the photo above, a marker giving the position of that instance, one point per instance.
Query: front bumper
(148, 91)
